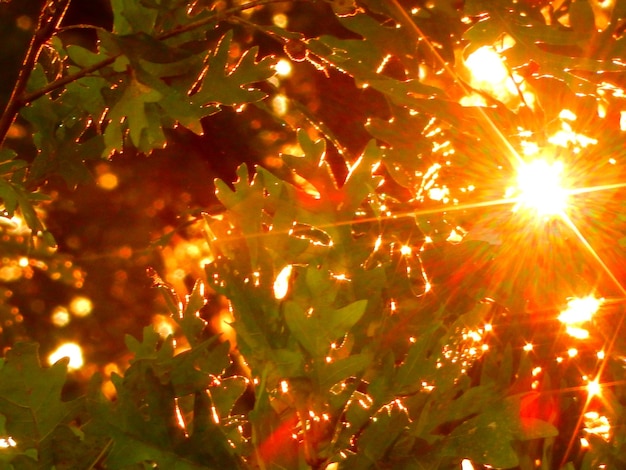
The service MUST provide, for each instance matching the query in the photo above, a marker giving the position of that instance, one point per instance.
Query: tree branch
(50, 18)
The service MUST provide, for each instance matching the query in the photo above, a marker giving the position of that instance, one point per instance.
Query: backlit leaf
(232, 86)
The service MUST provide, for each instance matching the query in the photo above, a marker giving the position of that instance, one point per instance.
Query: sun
(539, 188)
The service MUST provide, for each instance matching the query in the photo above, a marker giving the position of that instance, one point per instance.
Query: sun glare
(579, 310)
(487, 67)
(539, 188)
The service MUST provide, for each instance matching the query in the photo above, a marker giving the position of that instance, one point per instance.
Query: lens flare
(539, 188)
(594, 388)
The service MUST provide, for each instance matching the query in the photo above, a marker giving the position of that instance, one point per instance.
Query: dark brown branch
(222, 14)
(30, 97)
(50, 18)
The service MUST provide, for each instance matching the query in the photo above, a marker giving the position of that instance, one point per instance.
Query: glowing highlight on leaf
(283, 68)
(576, 332)
(281, 283)
(597, 424)
(71, 350)
(487, 67)
(466, 464)
(7, 442)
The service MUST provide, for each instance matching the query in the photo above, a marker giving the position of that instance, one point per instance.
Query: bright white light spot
(7, 442)
(179, 417)
(578, 333)
(281, 283)
(567, 115)
(487, 67)
(567, 137)
(594, 388)
(60, 317)
(528, 347)
(597, 424)
(283, 68)
(580, 310)
(466, 464)
(454, 237)
(71, 350)
(81, 306)
(539, 188)
(572, 352)
(405, 250)
(490, 74)
(439, 194)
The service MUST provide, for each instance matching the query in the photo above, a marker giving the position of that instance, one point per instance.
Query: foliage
(384, 319)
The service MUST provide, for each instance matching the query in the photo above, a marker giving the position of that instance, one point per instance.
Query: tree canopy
(312, 234)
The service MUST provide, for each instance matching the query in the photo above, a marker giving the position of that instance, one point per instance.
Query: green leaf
(418, 364)
(7, 154)
(30, 396)
(360, 181)
(233, 87)
(130, 16)
(147, 348)
(191, 371)
(336, 371)
(405, 156)
(141, 423)
(73, 449)
(191, 323)
(245, 204)
(226, 392)
(338, 323)
(167, 291)
(81, 56)
(362, 58)
(307, 331)
(132, 108)
(486, 439)
(379, 436)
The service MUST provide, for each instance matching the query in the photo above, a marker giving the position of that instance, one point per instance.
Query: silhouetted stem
(50, 18)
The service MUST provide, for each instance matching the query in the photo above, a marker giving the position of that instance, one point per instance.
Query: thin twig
(50, 18)
(30, 97)
(223, 14)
